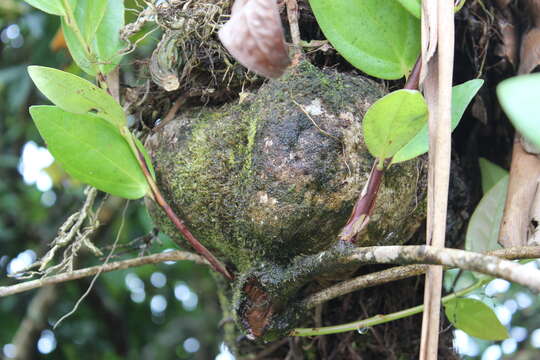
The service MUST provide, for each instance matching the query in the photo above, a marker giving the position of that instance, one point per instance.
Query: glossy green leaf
(88, 15)
(519, 99)
(491, 174)
(88, 63)
(381, 38)
(412, 6)
(74, 94)
(461, 97)
(53, 7)
(91, 150)
(107, 43)
(392, 121)
(475, 318)
(483, 229)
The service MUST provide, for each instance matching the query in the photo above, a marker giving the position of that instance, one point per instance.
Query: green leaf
(88, 15)
(74, 94)
(392, 121)
(483, 230)
(475, 318)
(91, 150)
(380, 38)
(107, 43)
(519, 99)
(53, 7)
(77, 51)
(461, 97)
(491, 174)
(412, 6)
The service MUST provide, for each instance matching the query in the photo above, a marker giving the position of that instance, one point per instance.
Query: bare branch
(403, 272)
(467, 260)
(118, 265)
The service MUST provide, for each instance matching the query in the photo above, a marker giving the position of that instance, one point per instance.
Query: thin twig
(118, 265)
(402, 272)
(380, 319)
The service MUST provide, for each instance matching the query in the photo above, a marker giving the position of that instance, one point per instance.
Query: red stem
(181, 226)
(364, 205)
(366, 201)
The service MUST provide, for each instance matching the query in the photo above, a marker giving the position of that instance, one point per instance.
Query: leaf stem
(178, 223)
(364, 205)
(381, 319)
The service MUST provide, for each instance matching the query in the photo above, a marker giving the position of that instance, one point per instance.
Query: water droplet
(362, 331)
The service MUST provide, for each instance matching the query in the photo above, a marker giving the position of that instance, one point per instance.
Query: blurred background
(162, 311)
(165, 311)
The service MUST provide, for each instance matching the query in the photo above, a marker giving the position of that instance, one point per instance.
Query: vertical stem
(178, 223)
(439, 173)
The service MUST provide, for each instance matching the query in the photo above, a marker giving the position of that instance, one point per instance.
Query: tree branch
(402, 272)
(118, 265)
(467, 260)
(489, 264)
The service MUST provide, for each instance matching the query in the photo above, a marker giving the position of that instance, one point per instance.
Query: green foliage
(91, 150)
(491, 174)
(475, 318)
(107, 44)
(91, 29)
(88, 15)
(483, 230)
(461, 97)
(412, 6)
(519, 99)
(380, 38)
(53, 7)
(392, 121)
(74, 94)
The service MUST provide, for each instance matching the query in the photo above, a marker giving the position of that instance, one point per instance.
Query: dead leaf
(429, 35)
(254, 37)
(530, 51)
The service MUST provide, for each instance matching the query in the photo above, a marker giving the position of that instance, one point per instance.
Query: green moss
(269, 182)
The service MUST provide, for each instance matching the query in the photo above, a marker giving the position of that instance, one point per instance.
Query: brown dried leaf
(509, 39)
(530, 51)
(254, 37)
(429, 35)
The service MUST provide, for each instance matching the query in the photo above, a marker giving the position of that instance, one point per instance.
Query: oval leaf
(91, 150)
(53, 7)
(483, 229)
(491, 174)
(74, 94)
(392, 121)
(461, 97)
(519, 99)
(107, 43)
(88, 15)
(77, 51)
(475, 318)
(380, 38)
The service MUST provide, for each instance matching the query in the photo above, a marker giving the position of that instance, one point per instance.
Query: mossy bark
(268, 181)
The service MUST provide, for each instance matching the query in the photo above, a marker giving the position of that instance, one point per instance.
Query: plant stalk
(381, 319)
(178, 223)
